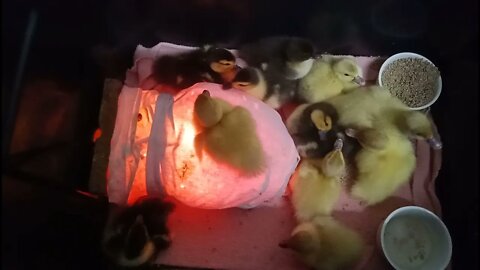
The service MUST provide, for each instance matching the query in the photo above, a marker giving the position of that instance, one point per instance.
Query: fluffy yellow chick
(228, 134)
(382, 169)
(361, 107)
(326, 244)
(328, 77)
(316, 187)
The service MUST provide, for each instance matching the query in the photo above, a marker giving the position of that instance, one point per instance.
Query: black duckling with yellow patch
(252, 81)
(265, 84)
(135, 234)
(314, 129)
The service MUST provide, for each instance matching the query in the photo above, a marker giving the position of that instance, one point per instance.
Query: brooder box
(150, 153)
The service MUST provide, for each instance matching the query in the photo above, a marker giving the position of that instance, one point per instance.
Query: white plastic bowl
(411, 55)
(413, 222)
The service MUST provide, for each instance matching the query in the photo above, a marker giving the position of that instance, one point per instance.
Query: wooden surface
(107, 115)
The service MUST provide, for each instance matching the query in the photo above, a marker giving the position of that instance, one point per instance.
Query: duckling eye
(328, 121)
(346, 74)
(139, 117)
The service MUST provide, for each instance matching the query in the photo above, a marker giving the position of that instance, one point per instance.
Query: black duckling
(266, 85)
(252, 81)
(292, 57)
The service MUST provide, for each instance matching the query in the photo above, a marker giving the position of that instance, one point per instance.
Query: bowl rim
(403, 55)
(415, 208)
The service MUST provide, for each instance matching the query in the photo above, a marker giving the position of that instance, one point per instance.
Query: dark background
(76, 44)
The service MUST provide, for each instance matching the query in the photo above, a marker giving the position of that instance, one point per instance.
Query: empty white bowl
(413, 238)
(411, 55)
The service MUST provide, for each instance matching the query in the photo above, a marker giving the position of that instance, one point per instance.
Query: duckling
(222, 65)
(279, 89)
(207, 64)
(135, 234)
(360, 107)
(292, 57)
(314, 129)
(251, 81)
(266, 85)
(328, 77)
(325, 244)
(316, 187)
(382, 169)
(228, 134)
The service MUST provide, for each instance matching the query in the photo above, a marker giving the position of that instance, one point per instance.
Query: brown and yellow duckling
(266, 85)
(206, 64)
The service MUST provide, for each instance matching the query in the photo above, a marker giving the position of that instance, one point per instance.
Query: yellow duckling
(361, 107)
(386, 162)
(316, 188)
(329, 77)
(325, 244)
(227, 134)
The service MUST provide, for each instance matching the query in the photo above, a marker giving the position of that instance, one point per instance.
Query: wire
(11, 113)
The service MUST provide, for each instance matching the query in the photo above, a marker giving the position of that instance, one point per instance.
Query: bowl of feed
(412, 238)
(412, 78)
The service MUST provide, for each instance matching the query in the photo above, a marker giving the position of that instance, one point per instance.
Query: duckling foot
(434, 143)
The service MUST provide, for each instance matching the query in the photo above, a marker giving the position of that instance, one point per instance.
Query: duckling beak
(434, 143)
(359, 80)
